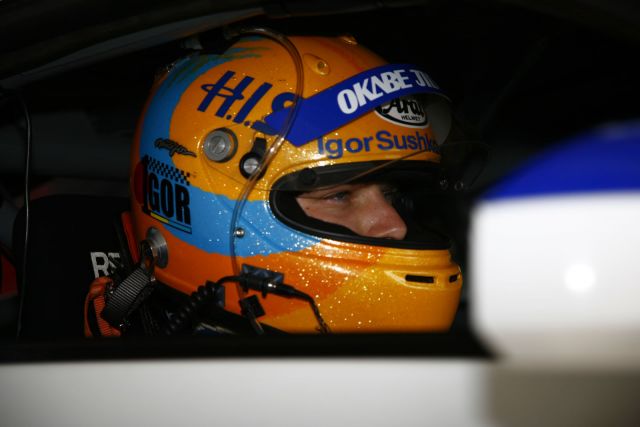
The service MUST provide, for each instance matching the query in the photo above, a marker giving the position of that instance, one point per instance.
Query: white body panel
(556, 279)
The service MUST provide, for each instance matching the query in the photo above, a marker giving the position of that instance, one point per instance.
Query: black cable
(206, 292)
(27, 197)
(196, 300)
(287, 291)
(322, 326)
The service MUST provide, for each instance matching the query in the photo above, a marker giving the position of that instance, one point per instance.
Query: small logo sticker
(405, 111)
(173, 147)
(164, 193)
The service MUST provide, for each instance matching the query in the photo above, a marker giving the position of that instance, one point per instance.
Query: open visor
(376, 203)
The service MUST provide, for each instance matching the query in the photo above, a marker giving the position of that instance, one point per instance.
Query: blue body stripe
(605, 160)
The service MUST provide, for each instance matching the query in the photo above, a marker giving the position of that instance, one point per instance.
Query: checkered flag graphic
(168, 171)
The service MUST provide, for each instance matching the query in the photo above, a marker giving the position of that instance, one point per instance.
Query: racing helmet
(227, 143)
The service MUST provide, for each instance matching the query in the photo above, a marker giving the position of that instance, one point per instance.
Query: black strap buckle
(125, 297)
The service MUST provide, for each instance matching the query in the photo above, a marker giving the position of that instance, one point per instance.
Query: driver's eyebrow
(387, 186)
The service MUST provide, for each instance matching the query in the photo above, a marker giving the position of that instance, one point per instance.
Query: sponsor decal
(375, 85)
(231, 95)
(346, 101)
(165, 193)
(321, 113)
(334, 148)
(173, 147)
(406, 111)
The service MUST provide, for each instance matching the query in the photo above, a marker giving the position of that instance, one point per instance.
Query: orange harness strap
(95, 297)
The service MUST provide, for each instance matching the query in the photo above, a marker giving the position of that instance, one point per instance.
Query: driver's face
(364, 209)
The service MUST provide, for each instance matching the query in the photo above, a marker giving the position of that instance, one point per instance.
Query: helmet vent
(317, 65)
(453, 278)
(419, 279)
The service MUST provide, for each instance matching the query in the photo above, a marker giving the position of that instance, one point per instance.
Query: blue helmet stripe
(346, 101)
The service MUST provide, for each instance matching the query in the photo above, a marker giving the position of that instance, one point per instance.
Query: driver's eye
(391, 194)
(403, 203)
(338, 196)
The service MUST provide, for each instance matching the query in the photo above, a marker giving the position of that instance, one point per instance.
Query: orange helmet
(227, 141)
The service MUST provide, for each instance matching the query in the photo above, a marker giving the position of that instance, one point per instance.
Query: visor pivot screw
(239, 232)
(220, 145)
(250, 165)
(250, 162)
(444, 184)
(459, 186)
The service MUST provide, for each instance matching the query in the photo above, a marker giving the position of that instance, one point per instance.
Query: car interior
(74, 77)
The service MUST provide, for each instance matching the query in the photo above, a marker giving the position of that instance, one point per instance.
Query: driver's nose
(376, 217)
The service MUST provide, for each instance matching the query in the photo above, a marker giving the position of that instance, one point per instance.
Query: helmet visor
(391, 204)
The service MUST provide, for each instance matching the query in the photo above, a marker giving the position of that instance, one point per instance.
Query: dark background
(519, 78)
